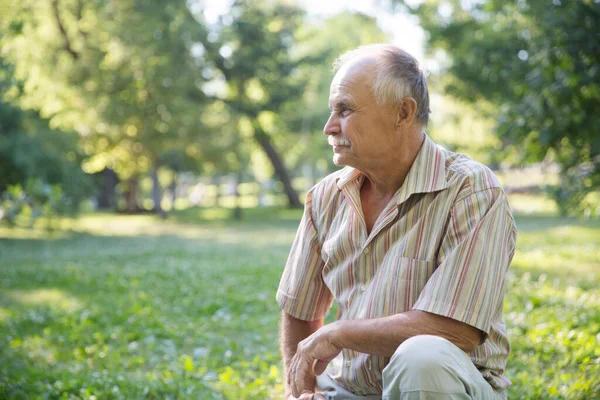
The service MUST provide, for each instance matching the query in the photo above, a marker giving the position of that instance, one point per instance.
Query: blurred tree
(465, 127)
(115, 72)
(538, 63)
(252, 69)
(30, 149)
(37, 164)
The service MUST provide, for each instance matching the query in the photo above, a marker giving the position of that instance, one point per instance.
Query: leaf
(188, 363)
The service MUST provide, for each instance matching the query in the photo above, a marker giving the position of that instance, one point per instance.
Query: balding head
(396, 74)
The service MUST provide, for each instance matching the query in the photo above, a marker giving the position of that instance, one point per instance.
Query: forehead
(353, 82)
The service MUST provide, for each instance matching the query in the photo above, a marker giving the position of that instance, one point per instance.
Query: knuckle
(301, 347)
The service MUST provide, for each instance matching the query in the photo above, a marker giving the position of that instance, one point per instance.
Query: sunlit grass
(4, 315)
(48, 297)
(132, 307)
(532, 204)
(562, 247)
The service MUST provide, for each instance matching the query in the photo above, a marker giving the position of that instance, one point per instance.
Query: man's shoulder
(472, 176)
(326, 190)
(329, 182)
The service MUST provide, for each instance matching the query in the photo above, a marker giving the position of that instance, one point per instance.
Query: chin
(339, 160)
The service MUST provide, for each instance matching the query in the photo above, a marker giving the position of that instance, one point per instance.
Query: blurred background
(154, 157)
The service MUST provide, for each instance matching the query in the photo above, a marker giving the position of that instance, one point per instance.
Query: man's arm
(293, 331)
(382, 336)
(378, 336)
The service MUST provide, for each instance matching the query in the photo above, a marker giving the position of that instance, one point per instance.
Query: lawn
(131, 307)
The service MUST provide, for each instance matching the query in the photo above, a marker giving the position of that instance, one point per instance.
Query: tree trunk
(237, 211)
(157, 194)
(106, 197)
(265, 142)
(309, 174)
(131, 195)
(173, 188)
(217, 182)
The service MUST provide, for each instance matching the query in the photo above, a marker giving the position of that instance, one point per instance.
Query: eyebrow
(342, 103)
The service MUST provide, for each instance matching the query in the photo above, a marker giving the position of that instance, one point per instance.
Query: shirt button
(366, 250)
(363, 288)
(348, 364)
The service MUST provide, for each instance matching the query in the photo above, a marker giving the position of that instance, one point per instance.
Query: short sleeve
(469, 283)
(302, 292)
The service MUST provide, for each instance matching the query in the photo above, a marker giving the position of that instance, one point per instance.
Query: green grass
(131, 307)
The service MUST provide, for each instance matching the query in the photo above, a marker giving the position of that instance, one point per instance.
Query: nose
(332, 126)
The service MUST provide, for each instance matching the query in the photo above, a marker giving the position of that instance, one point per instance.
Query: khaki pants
(423, 367)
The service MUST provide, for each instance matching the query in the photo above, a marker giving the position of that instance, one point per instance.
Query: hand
(312, 356)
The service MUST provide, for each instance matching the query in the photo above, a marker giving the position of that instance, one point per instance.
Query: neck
(387, 174)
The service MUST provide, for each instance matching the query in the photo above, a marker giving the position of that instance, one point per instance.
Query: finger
(299, 375)
(290, 372)
(293, 380)
(320, 366)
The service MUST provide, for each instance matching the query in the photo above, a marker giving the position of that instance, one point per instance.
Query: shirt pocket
(398, 284)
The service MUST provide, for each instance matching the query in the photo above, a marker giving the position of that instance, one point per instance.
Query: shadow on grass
(152, 337)
(155, 315)
(266, 217)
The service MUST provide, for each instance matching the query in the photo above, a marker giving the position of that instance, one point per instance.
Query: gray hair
(399, 75)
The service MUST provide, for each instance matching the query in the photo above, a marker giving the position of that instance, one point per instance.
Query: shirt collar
(347, 175)
(427, 173)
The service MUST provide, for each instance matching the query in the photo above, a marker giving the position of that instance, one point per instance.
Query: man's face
(360, 131)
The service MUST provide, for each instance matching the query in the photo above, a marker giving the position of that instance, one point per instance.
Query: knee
(426, 363)
(423, 362)
(422, 353)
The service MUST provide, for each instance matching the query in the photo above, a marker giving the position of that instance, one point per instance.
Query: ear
(407, 111)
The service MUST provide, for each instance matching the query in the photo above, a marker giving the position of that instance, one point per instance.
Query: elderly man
(413, 243)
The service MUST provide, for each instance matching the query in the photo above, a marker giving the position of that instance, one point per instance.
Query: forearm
(382, 336)
(292, 332)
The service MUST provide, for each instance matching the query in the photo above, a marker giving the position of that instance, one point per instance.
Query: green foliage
(538, 63)
(22, 206)
(34, 152)
(461, 128)
(114, 72)
(577, 194)
(39, 172)
(132, 307)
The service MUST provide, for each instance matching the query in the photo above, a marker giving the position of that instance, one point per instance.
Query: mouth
(338, 142)
(337, 149)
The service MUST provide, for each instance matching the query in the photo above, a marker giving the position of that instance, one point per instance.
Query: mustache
(335, 141)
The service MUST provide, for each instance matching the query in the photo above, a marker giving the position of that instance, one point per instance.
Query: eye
(341, 111)
(344, 112)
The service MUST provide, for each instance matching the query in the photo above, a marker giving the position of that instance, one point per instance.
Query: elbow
(471, 342)
(469, 347)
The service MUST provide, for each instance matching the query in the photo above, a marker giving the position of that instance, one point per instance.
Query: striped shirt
(442, 245)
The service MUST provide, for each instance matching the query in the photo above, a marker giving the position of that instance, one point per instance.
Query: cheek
(352, 128)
